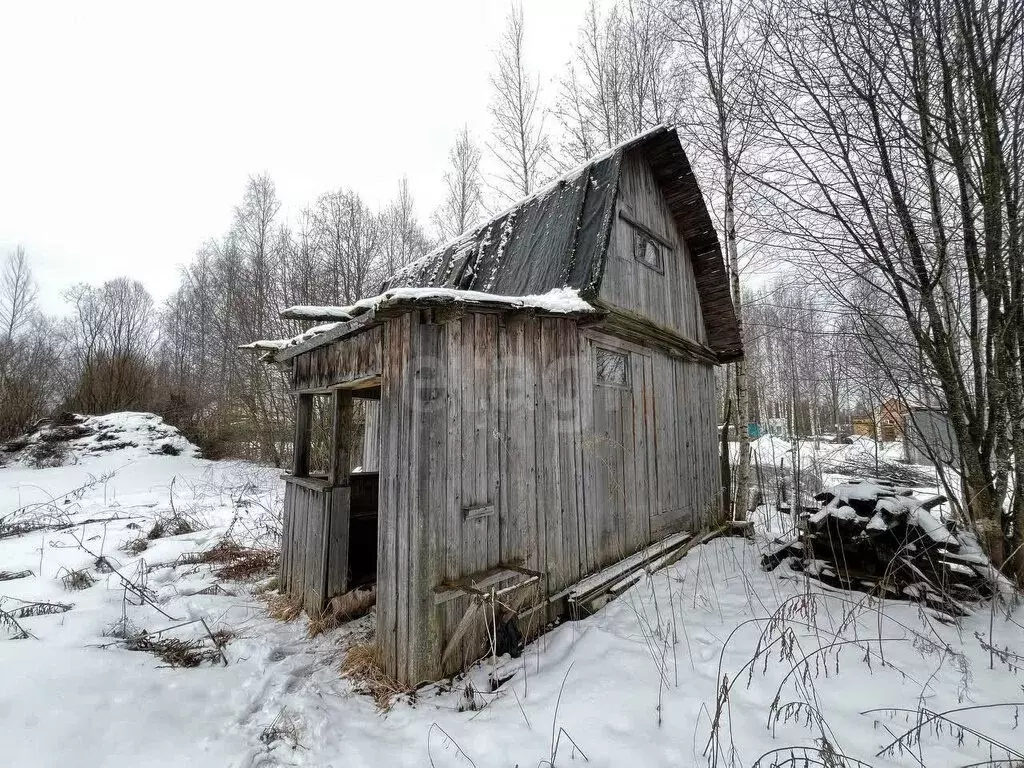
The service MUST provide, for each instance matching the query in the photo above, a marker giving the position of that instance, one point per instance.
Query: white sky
(128, 130)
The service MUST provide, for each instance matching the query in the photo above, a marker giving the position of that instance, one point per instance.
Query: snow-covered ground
(710, 661)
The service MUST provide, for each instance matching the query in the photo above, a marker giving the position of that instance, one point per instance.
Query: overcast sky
(129, 129)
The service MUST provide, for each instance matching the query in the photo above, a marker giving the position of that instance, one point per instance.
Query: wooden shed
(524, 407)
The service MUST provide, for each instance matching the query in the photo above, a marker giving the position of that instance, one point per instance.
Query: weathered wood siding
(670, 297)
(650, 451)
(356, 357)
(314, 547)
(499, 449)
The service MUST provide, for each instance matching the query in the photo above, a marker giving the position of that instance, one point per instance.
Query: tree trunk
(742, 393)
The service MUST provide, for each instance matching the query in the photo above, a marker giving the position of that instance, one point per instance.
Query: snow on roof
(557, 301)
(273, 345)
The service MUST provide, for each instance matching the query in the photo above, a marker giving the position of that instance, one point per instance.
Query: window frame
(639, 232)
(626, 358)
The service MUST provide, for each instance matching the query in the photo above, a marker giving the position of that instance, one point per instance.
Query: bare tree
(112, 330)
(520, 142)
(403, 238)
(620, 81)
(350, 239)
(18, 294)
(462, 205)
(29, 350)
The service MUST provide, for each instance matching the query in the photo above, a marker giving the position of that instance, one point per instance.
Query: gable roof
(558, 238)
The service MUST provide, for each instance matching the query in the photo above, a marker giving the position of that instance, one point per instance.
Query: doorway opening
(364, 484)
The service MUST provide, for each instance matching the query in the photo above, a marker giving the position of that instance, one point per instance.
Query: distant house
(864, 427)
(886, 424)
(890, 420)
(546, 397)
(928, 437)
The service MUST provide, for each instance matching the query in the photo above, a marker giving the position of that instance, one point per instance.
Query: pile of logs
(876, 537)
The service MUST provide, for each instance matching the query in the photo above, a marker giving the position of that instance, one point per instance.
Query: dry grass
(235, 562)
(11, 575)
(136, 546)
(250, 564)
(174, 524)
(325, 622)
(39, 609)
(362, 666)
(80, 579)
(283, 607)
(175, 652)
(215, 589)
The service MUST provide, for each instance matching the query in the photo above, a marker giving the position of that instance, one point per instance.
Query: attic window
(647, 250)
(612, 367)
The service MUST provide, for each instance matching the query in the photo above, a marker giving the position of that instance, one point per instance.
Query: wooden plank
(474, 443)
(490, 354)
(589, 451)
(312, 483)
(549, 487)
(519, 487)
(608, 509)
(404, 498)
(613, 573)
(352, 363)
(578, 471)
(303, 429)
(534, 351)
(315, 573)
(341, 438)
(339, 331)
(387, 514)
(638, 509)
(449, 590)
(436, 491)
(665, 508)
(336, 580)
(370, 458)
(320, 594)
(298, 579)
(482, 510)
(452, 521)
(427, 463)
(286, 542)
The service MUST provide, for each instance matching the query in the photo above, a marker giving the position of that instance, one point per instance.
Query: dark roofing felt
(559, 236)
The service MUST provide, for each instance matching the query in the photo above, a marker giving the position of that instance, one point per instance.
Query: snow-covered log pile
(877, 537)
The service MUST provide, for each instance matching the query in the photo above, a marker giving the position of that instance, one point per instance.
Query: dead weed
(363, 667)
(283, 607)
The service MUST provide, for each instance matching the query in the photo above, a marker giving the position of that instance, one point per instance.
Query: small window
(612, 368)
(647, 250)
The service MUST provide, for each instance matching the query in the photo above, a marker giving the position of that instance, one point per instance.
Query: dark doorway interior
(365, 483)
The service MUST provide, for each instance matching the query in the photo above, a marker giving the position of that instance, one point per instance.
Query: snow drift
(71, 437)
